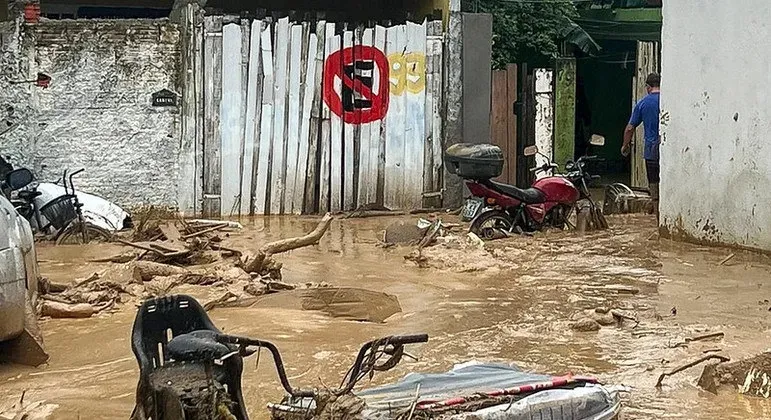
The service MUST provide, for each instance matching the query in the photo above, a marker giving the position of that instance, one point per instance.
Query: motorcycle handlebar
(367, 348)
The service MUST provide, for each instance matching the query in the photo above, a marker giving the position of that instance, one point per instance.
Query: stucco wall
(97, 114)
(716, 122)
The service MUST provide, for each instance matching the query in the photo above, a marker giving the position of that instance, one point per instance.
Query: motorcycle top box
(474, 161)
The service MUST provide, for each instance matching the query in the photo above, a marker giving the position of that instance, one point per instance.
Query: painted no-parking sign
(361, 95)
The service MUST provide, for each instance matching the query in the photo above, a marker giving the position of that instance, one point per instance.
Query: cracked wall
(716, 119)
(97, 114)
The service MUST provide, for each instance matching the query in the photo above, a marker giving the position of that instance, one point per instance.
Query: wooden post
(189, 180)
(213, 97)
(513, 145)
(565, 110)
(647, 62)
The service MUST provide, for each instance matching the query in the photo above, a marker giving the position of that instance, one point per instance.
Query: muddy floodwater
(512, 302)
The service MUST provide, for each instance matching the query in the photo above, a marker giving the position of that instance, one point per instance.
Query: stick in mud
(690, 365)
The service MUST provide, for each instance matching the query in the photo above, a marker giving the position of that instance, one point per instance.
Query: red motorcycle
(499, 209)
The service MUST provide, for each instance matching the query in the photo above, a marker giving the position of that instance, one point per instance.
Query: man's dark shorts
(652, 167)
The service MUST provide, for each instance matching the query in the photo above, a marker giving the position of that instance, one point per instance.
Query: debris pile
(166, 255)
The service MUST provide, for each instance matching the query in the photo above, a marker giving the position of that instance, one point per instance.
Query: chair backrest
(159, 320)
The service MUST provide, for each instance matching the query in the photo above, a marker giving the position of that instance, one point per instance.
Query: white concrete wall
(97, 113)
(716, 122)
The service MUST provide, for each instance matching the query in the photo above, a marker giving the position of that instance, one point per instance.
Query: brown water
(518, 313)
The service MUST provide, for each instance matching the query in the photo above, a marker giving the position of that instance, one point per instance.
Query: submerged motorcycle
(499, 209)
(190, 370)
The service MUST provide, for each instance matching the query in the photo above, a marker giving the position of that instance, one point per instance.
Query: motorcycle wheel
(493, 224)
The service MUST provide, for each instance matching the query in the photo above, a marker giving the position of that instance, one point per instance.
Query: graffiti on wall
(358, 81)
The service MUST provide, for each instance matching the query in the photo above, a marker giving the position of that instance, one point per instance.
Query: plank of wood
(231, 118)
(437, 132)
(374, 167)
(381, 42)
(292, 135)
(280, 80)
(396, 45)
(311, 199)
(212, 98)
(199, 114)
(252, 123)
(262, 189)
(336, 138)
(348, 146)
(187, 179)
(428, 153)
(305, 162)
(415, 124)
(364, 183)
(499, 122)
(511, 77)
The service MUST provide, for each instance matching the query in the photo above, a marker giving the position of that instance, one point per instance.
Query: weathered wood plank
(381, 42)
(199, 110)
(437, 132)
(187, 156)
(231, 118)
(415, 123)
(396, 45)
(349, 202)
(293, 115)
(306, 162)
(336, 137)
(365, 184)
(252, 124)
(212, 98)
(325, 164)
(311, 200)
(499, 122)
(262, 189)
(513, 144)
(374, 167)
(280, 80)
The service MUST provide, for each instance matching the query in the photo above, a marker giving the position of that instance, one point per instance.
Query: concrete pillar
(453, 126)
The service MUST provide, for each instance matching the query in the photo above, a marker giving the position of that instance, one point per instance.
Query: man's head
(653, 82)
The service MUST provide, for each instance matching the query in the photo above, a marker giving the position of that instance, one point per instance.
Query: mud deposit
(514, 301)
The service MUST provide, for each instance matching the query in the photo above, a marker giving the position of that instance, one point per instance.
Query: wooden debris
(690, 365)
(63, 310)
(146, 270)
(726, 259)
(205, 231)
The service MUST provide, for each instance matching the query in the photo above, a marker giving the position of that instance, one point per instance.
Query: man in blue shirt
(646, 111)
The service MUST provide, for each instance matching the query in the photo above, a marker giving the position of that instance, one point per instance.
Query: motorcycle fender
(480, 212)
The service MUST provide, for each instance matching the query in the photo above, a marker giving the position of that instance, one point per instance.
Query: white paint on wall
(715, 122)
(97, 113)
(544, 118)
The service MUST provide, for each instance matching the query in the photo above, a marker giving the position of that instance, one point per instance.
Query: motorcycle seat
(527, 196)
(29, 195)
(197, 346)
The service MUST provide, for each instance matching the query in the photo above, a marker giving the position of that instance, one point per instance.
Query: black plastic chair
(157, 321)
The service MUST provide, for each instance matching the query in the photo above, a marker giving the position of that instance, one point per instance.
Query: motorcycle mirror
(597, 140)
(531, 150)
(19, 178)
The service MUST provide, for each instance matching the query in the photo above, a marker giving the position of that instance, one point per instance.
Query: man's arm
(634, 121)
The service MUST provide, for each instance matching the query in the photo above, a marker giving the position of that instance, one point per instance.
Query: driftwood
(690, 365)
(146, 270)
(64, 310)
(258, 262)
(205, 231)
(726, 259)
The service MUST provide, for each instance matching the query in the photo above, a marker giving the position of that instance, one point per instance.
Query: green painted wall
(565, 111)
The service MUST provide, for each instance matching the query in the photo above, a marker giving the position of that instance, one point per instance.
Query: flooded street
(513, 305)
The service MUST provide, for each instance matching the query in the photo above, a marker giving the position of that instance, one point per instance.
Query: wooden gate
(647, 62)
(503, 121)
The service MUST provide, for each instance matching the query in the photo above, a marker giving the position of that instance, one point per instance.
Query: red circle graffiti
(377, 102)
